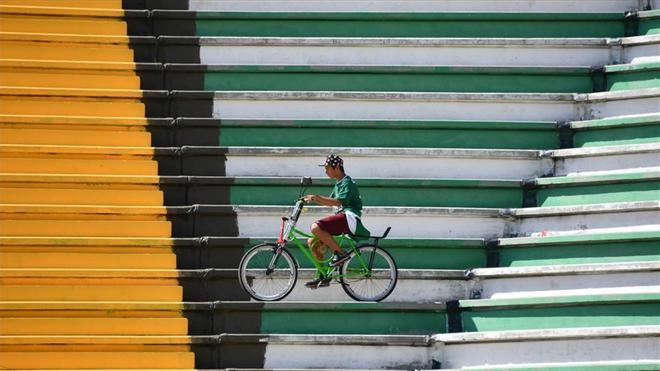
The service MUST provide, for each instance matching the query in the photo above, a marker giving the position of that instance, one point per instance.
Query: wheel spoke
(258, 283)
(375, 286)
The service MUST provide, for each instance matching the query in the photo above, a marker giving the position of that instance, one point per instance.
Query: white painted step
(606, 160)
(565, 280)
(557, 346)
(417, 5)
(595, 52)
(619, 103)
(388, 162)
(431, 106)
(640, 49)
(404, 51)
(426, 286)
(444, 222)
(346, 351)
(413, 286)
(413, 222)
(597, 218)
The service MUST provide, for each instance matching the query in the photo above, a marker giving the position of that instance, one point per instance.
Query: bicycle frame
(289, 233)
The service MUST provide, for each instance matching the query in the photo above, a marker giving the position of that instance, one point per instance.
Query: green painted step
(371, 24)
(626, 130)
(560, 312)
(244, 317)
(580, 249)
(349, 318)
(226, 252)
(649, 23)
(383, 78)
(375, 192)
(417, 253)
(370, 133)
(581, 190)
(632, 76)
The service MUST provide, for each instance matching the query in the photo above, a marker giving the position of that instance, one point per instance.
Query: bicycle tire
(384, 257)
(247, 282)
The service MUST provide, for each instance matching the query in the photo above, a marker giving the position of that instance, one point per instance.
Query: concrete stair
(146, 145)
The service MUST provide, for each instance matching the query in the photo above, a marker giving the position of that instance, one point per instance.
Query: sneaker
(319, 282)
(339, 259)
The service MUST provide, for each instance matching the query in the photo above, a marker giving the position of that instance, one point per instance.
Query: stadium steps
(167, 132)
(172, 76)
(579, 249)
(260, 161)
(26, 159)
(391, 5)
(415, 106)
(395, 24)
(596, 218)
(148, 191)
(563, 279)
(81, 75)
(69, 21)
(100, 4)
(433, 78)
(562, 347)
(421, 264)
(188, 190)
(55, 292)
(606, 159)
(81, 102)
(402, 351)
(218, 351)
(411, 51)
(624, 130)
(398, 24)
(597, 189)
(414, 286)
(209, 253)
(296, 105)
(382, 78)
(575, 311)
(77, 48)
(239, 317)
(632, 76)
(58, 64)
(98, 253)
(476, 52)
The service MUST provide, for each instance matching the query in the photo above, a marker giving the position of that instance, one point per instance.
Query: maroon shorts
(334, 224)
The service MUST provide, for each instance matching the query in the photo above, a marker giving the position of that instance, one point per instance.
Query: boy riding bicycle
(346, 198)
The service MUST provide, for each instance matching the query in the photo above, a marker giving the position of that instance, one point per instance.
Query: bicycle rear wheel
(370, 274)
(267, 275)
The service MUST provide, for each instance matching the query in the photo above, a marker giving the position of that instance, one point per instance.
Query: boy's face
(332, 172)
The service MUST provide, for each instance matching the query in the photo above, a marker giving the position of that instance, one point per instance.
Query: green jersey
(346, 191)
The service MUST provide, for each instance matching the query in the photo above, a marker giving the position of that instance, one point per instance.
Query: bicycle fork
(273, 260)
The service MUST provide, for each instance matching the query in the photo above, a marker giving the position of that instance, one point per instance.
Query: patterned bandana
(333, 160)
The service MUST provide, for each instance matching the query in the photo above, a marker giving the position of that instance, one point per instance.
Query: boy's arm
(323, 200)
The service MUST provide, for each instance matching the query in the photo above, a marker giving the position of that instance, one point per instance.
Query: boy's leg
(325, 228)
(325, 237)
(317, 247)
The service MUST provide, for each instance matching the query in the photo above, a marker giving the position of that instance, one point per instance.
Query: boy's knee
(315, 228)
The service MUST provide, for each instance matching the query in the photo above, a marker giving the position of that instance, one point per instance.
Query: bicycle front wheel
(370, 274)
(267, 275)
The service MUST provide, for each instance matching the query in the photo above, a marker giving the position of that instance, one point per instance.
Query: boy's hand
(309, 198)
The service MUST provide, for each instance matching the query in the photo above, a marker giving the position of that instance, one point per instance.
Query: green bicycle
(268, 272)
